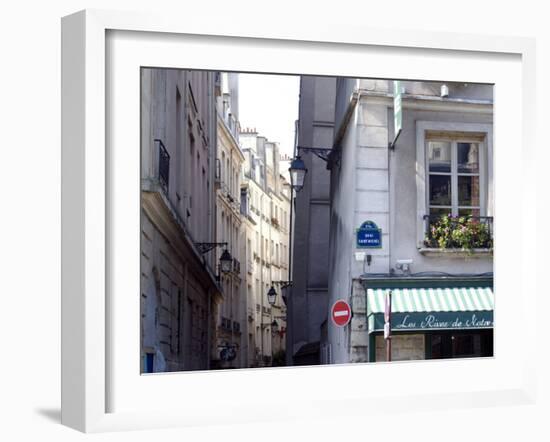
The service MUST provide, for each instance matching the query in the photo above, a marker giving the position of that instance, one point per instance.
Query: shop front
(431, 318)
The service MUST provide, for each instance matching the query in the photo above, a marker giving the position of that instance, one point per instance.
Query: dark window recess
(163, 165)
(149, 358)
(218, 170)
(179, 319)
(244, 202)
(450, 344)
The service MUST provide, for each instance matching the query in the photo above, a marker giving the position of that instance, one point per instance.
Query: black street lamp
(271, 296)
(226, 262)
(298, 172)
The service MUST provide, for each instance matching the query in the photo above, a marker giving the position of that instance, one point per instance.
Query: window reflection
(439, 156)
(468, 190)
(440, 190)
(468, 157)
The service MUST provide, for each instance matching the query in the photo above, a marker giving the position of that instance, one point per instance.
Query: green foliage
(463, 232)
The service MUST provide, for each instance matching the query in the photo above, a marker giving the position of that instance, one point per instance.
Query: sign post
(340, 313)
(387, 325)
(397, 112)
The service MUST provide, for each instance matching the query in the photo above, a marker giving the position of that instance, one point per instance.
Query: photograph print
(295, 220)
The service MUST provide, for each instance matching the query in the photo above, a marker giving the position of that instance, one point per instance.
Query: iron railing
(163, 165)
(458, 232)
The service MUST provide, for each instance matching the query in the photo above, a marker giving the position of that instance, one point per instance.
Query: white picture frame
(88, 317)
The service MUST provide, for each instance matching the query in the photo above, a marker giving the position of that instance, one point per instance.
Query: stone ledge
(456, 253)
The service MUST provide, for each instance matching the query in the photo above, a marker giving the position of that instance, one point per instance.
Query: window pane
(440, 190)
(468, 157)
(469, 212)
(439, 156)
(440, 211)
(437, 346)
(466, 345)
(468, 191)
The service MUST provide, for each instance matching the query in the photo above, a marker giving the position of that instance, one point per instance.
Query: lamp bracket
(283, 284)
(326, 154)
(205, 247)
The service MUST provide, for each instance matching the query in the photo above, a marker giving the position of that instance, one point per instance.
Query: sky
(269, 103)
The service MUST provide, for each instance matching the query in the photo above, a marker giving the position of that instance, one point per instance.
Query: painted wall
(343, 205)
(177, 308)
(404, 196)
(372, 182)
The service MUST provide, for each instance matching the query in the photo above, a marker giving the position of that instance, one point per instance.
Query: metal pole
(388, 325)
(290, 288)
(290, 236)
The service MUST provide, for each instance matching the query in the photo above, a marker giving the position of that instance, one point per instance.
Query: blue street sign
(369, 236)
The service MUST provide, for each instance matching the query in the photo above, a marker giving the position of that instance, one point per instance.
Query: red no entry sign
(341, 313)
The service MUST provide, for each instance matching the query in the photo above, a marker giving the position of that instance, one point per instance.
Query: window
(227, 174)
(454, 172)
(179, 324)
(448, 344)
(149, 361)
(222, 165)
(454, 177)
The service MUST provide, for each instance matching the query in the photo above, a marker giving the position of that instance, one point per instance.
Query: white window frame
(454, 207)
(422, 169)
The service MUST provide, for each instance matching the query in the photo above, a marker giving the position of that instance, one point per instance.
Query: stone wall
(359, 338)
(174, 306)
(404, 347)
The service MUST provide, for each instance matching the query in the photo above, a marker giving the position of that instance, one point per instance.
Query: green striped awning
(456, 299)
(428, 308)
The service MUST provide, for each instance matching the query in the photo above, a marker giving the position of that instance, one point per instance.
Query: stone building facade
(265, 203)
(179, 290)
(441, 164)
(231, 328)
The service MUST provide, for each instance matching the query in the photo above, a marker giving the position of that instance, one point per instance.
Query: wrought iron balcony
(459, 232)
